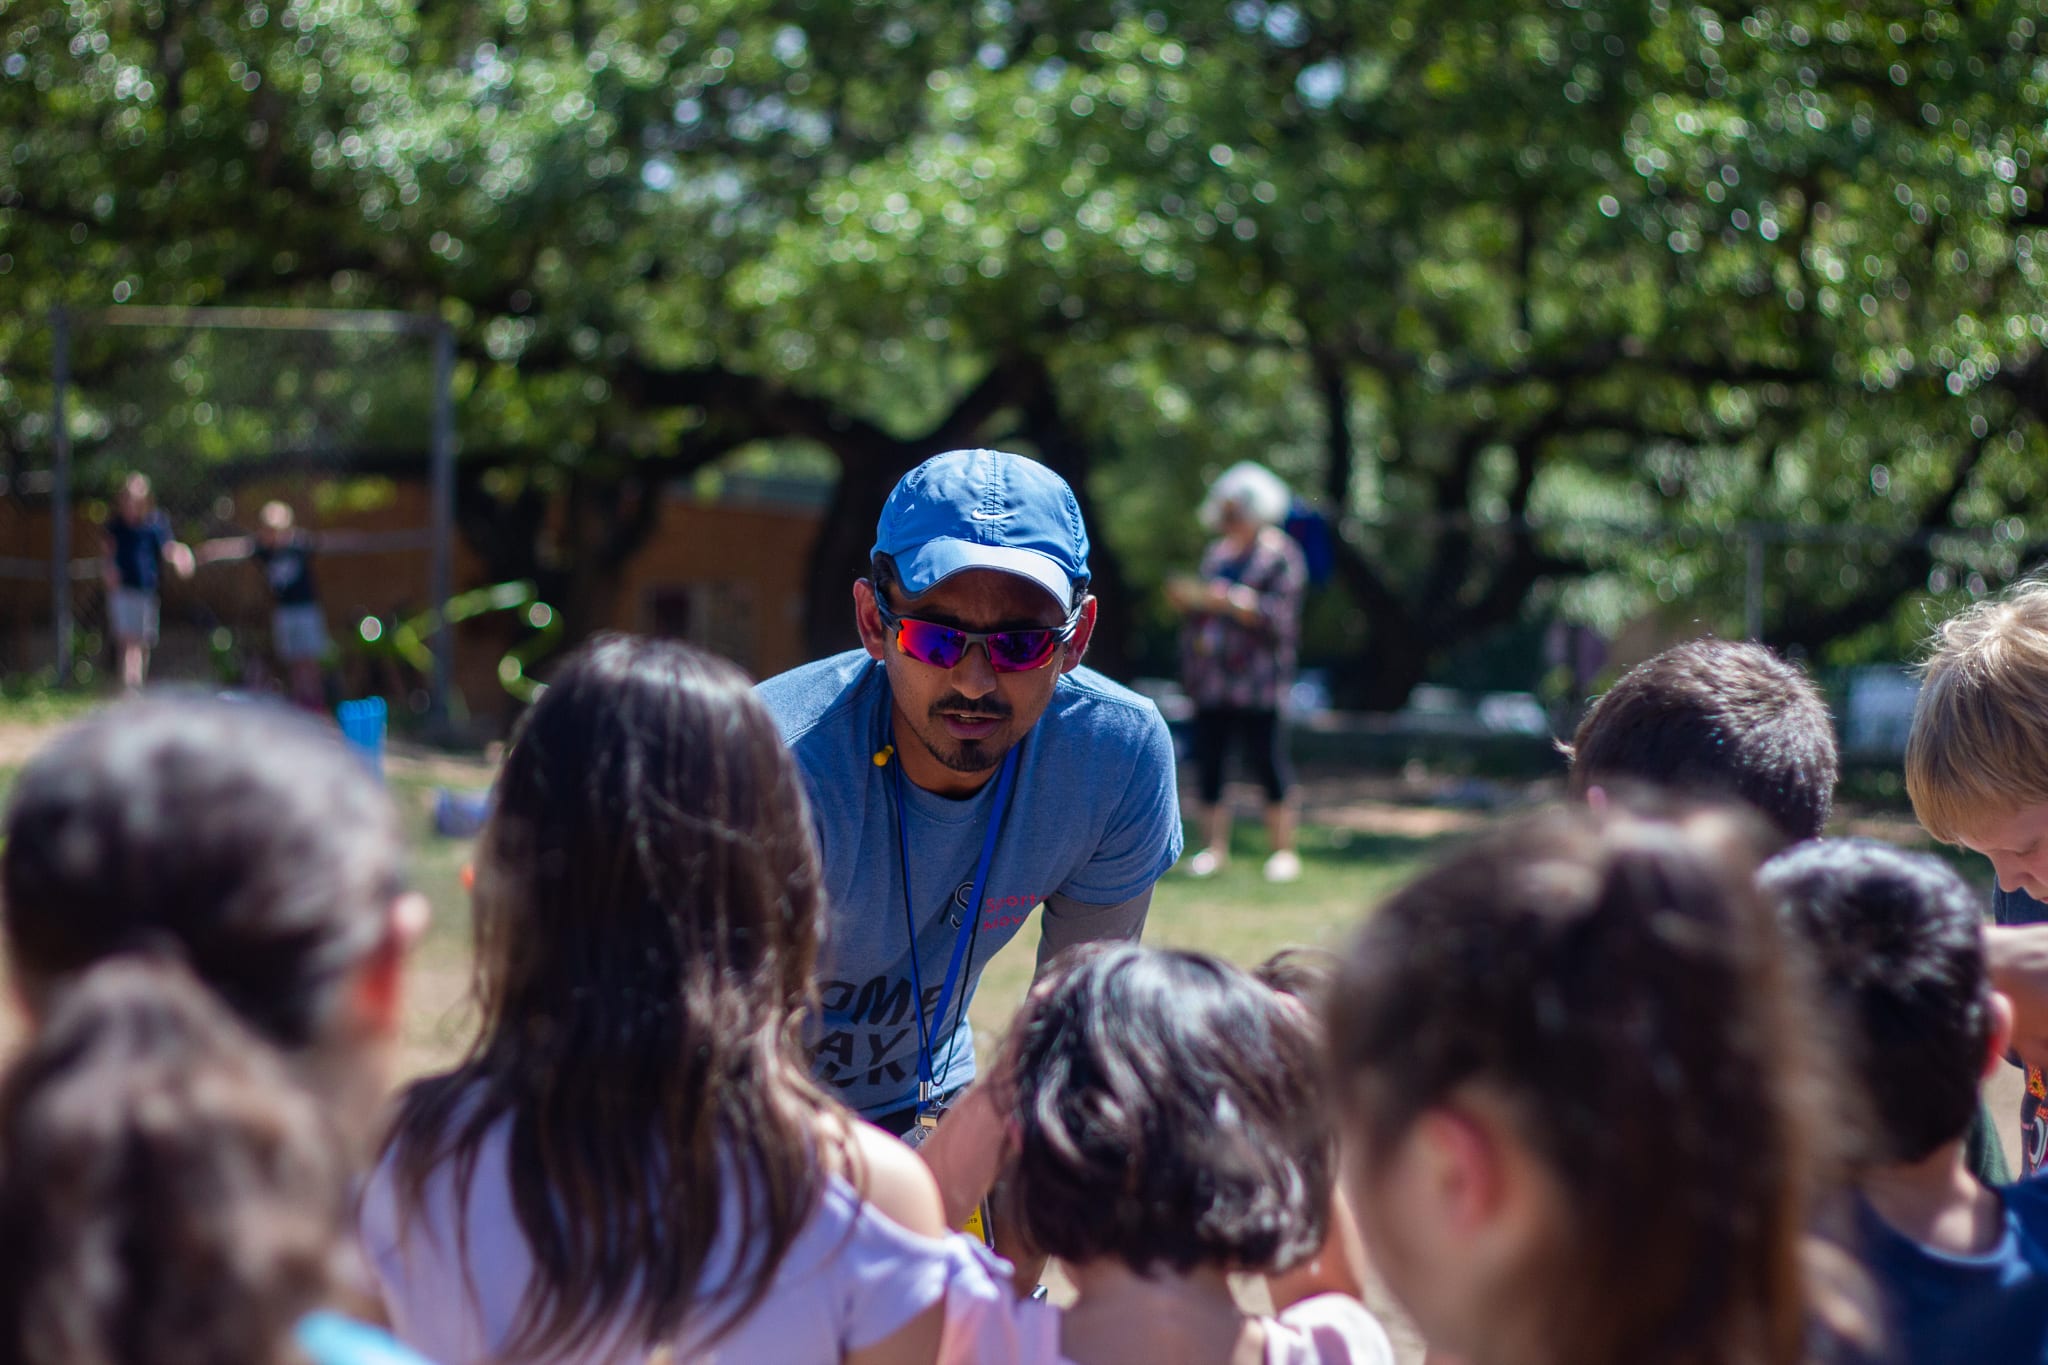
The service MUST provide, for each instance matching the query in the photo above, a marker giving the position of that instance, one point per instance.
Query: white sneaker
(1284, 866)
(1207, 863)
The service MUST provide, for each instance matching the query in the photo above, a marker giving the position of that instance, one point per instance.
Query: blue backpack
(1316, 537)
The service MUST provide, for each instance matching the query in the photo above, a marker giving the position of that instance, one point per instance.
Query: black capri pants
(1257, 730)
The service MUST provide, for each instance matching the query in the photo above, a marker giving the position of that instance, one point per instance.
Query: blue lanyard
(969, 921)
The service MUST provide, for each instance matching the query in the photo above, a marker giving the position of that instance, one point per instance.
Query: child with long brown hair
(1583, 1099)
(632, 1159)
(205, 920)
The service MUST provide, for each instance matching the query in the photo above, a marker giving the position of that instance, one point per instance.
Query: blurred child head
(170, 1194)
(1977, 756)
(1716, 718)
(1168, 1115)
(244, 838)
(135, 498)
(275, 520)
(1575, 1082)
(647, 906)
(205, 917)
(1895, 940)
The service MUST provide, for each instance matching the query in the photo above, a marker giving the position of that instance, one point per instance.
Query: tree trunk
(840, 555)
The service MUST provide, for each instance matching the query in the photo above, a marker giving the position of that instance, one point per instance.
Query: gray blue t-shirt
(1093, 817)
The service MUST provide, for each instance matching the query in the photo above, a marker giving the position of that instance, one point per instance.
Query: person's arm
(1268, 605)
(344, 541)
(226, 548)
(178, 555)
(1273, 602)
(1067, 922)
(1338, 1267)
(2018, 958)
(1239, 601)
(966, 1152)
(888, 1175)
(110, 570)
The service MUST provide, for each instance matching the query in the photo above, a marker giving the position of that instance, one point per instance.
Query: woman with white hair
(1237, 655)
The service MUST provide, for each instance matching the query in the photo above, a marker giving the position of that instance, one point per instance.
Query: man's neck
(1936, 1202)
(925, 771)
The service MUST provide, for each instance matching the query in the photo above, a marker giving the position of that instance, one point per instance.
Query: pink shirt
(1328, 1329)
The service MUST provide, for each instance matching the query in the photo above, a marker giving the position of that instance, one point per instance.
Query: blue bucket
(362, 725)
(460, 814)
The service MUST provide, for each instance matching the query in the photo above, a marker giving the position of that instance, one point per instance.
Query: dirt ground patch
(18, 741)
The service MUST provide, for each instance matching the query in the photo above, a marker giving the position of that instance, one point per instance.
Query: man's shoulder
(1086, 700)
(811, 697)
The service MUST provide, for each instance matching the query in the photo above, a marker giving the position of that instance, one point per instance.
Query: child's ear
(2001, 1032)
(379, 989)
(18, 1003)
(1462, 1163)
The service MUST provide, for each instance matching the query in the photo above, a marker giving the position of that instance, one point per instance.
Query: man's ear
(1078, 646)
(379, 989)
(867, 619)
(2001, 1032)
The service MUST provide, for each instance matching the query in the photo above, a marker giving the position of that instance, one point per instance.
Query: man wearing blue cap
(964, 768)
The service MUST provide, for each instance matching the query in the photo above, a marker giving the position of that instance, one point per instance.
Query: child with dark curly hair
(1165, 1116)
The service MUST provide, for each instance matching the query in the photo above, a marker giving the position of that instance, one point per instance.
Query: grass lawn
(1234, 914)
(1348, 865)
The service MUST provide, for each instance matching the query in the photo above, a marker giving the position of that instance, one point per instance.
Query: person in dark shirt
(298, 628)
(1894, 942)
(136, 542)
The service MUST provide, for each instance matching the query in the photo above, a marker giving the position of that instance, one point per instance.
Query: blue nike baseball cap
(984, 509)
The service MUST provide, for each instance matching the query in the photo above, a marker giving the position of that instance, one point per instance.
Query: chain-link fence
(342, 416)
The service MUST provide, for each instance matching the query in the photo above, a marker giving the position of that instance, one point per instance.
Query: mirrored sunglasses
(1009, 651)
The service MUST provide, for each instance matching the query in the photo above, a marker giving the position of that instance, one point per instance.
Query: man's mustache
(956, 705)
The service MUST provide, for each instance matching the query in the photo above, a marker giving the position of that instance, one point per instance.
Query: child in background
(298, 627)
(1977, 773)
(633, 1159)
(1717, 718)
(1894, 938)
(1579, 1098)
(137, 540)
(205, 920)
(1164, 1113)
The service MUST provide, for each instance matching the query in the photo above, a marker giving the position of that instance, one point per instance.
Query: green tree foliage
(1549, 300)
